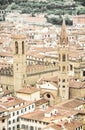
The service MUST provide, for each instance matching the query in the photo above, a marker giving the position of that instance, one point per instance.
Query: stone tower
(19, 60)
(63, 64)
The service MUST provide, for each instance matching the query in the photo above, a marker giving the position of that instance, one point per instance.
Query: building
(11, 109)
(43, 119)
(28, 93)
(4, 116)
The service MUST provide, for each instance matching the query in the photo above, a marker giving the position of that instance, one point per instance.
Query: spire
(63, 34)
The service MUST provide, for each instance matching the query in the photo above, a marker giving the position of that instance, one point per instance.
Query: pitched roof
(13, 102)
(73, 125)
(41, 101)
(52, 126)
(73, 103)
(76, 84)
(28, 90)
(2, 109)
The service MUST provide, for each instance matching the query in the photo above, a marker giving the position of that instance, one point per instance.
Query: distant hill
(47, 7)
(57, 7)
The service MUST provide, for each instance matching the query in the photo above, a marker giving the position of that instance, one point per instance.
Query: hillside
(47, 7)
(57, 7)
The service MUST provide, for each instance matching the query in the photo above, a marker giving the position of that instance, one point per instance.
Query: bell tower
(19, 60)
(63, 64)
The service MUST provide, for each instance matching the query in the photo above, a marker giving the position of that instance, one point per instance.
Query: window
(63, 68)
(3, 120)
(63, 86)
(13, 121)
(59, 57)
(18, 126)
(23, 47)
(63, 57)
(83, 73)
(3, 129)
(35, 121)
(29, 108)
(17, 112)
(63, 80)
(71, 67)
(6, 87)
(25, 109)
(13, 128)
(23, 126)
(39, 128)
(26, 127)
(35, 128)
(48, 95)
(9, 122)
(21, 111)
(16, 47)
(13, 114)
(17, 119)
(9, 128)
(44, 123)
(40, 122)
(31, 128)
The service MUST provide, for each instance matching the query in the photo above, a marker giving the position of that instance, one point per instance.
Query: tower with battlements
(63, 64)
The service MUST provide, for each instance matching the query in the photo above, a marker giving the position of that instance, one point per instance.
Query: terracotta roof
(39, 115)
(73, 125)
(41, 101)
(36, 115)
(53, 79)
(73, 103)
(6, 92)
(28, 90)
(76, 54)
(26, 103)
(2, 109)
(76, 84)
(52, 126)
(13, 102)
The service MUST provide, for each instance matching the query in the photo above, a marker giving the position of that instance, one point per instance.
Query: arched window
(71, 67)
(59, 57)
(16, 47)
(23, 47)
(63, 68)
(63, 57)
